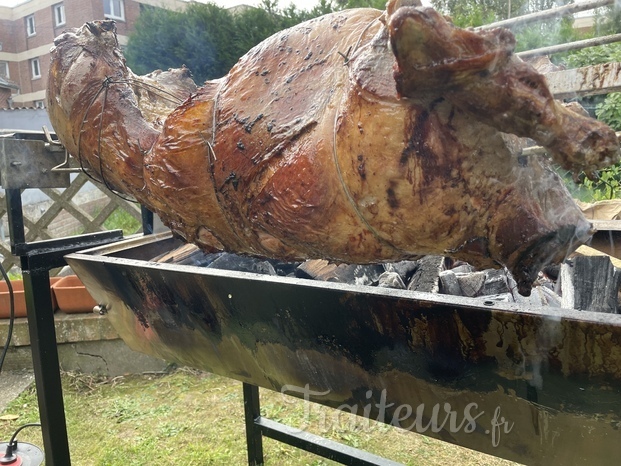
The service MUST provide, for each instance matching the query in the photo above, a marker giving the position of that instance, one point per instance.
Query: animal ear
(394, 5)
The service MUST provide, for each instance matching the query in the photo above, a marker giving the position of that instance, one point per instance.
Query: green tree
(478, 12)
(474, 13)
(206, 38)
(197, 38)
(550, 32)
(347, 4)
(157, 30)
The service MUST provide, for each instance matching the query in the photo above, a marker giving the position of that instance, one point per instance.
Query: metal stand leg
(46, 368)
(252, 411)
(147, 220)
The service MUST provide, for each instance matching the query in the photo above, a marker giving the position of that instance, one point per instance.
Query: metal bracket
(27, 160)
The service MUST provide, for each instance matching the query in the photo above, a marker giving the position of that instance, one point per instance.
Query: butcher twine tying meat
(360, 136)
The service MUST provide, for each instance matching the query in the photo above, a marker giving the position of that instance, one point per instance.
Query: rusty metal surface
(553, 375)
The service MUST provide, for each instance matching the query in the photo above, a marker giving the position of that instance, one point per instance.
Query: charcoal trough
(534, 385)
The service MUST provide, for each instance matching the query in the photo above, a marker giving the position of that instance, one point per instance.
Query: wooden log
(566, 286)
(596, 284)
(589, 251)
(427, 275)
(590, 80)
(316, 269)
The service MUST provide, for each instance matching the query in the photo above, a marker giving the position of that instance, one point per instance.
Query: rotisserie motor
(361, 136)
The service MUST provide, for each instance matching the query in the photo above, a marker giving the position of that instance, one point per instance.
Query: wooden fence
(68, 212)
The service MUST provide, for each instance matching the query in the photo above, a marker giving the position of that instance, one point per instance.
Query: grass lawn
(194, 418)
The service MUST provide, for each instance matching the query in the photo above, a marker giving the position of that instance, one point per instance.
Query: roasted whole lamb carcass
(361, 136)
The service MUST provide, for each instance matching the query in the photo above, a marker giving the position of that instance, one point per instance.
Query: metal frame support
(37, 259)
(252, 415)
(147, 220)
(45, 364)
(258, 426)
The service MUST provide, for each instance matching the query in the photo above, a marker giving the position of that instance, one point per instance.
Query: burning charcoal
(366, 274)
(228, 261)
(427, 275)
(495, 283)
(264, 267)
(405, 269)
(391, 280)
(471, 284)
(285, 269)
(463, 268)
(200, 259)
(449, 283)
(354, 274)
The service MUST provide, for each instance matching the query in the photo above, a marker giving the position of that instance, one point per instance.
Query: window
(39, 104)
(114, 9)
(30, 26)
(59, 14)
(35, 66)
(4, 69)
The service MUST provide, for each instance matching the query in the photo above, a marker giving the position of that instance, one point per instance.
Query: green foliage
(199, 37)
(609, 110)
(157, 30)
(551, 32)
(120, 219)
(194, 419)
(347, 4)
(606, 186)
(206, 38)
(470, 12)
(594, 55)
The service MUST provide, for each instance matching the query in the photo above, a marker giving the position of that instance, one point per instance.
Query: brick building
(27, 33)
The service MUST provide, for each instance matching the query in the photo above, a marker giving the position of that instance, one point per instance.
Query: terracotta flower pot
(19, 298)
(72, 296)
(54, 280)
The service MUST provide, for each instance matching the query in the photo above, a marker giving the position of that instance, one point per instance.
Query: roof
(8, 84)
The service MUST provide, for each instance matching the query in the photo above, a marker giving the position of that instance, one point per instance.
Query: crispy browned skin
(479, 73)
(309, 147)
